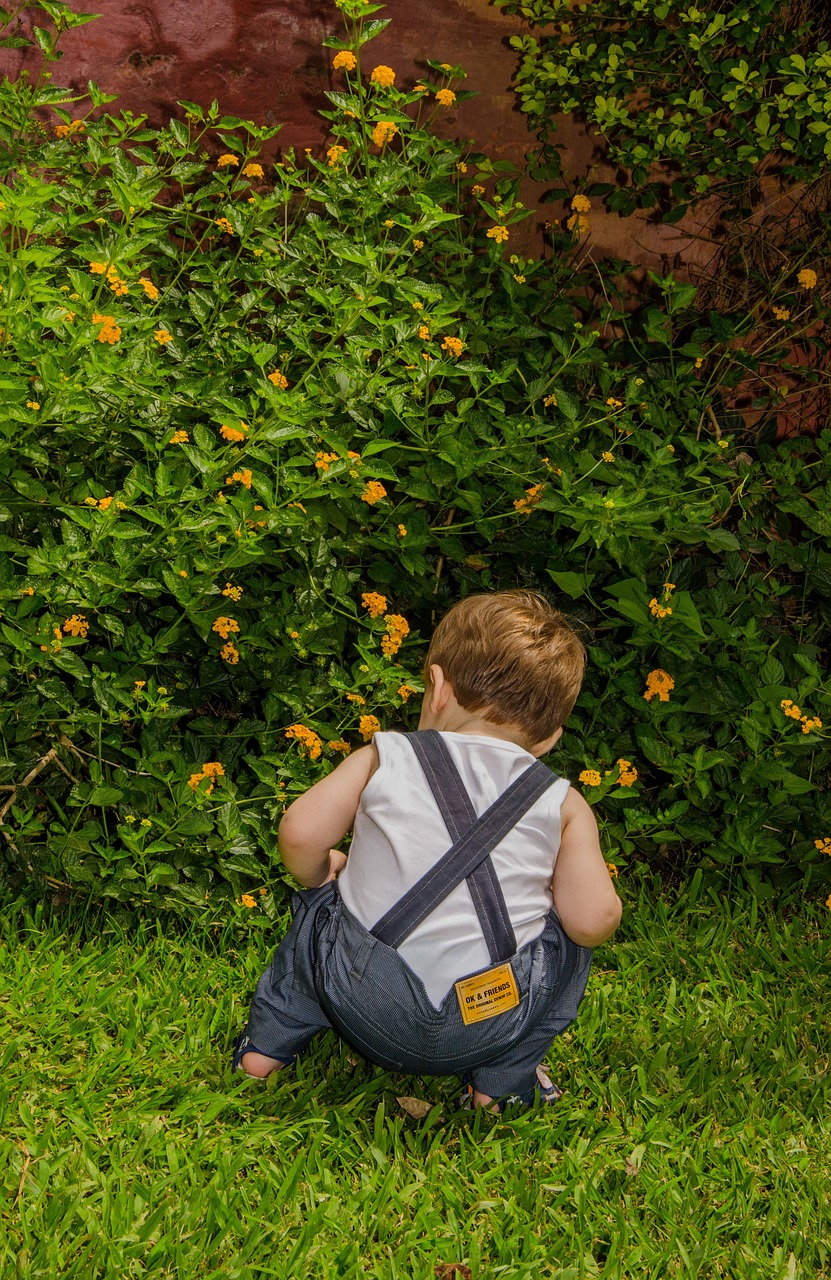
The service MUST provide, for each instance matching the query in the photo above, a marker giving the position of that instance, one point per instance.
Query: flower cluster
(581, 204)
(109, 331)
(224, 225)
(212, 769)
(578, 224)
(531, 498)
(230, 653)
(368, 726)
(397, 629)
(232, 592)
(179, 437)
(794, 713)
(345, 60)
(823, 844)
(333, 156)
(781, 313)
(383, 76)
(162, 336)
(404, 692)
(278, 380)
(233, 434)
(446, 98)
(76, 625)
(322, 460)
(628, 775)
(253, 170)
(374, 603)
(453, 346)
(307, 738)
(590, 777)
(662, 610)
(373, 492)
(384, 131)
(338, 744)
(224, 627)
(497, 233)
(227, 159)
(243, 477)
(70, 130)
(807, 278)
(659, 684)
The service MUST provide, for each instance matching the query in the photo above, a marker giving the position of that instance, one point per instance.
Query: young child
(464, 964)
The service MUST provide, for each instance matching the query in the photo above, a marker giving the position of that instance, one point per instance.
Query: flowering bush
(327, 401)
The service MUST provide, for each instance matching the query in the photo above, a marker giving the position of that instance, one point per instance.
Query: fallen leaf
(631, 1169)
(449, 1270)
(418, 1109)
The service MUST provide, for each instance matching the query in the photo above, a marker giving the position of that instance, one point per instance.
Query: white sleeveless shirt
(399, 834)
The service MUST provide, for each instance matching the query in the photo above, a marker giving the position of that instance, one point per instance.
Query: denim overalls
(493, 1027)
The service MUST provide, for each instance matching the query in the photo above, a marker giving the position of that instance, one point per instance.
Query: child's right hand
(337, 862)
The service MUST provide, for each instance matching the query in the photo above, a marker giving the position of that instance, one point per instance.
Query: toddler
(455, 938)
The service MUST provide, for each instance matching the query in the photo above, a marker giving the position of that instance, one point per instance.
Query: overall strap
(464, 857)
(454, 803)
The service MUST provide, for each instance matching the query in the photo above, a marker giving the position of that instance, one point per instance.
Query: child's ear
(440, 691)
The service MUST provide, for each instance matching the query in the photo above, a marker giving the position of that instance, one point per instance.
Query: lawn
(694, 1138)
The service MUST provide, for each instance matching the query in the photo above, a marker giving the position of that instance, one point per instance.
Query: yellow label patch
(488, 994)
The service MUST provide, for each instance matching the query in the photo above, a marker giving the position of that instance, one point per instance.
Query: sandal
(547, 1092)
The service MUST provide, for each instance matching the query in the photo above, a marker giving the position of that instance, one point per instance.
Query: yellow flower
(418, 244)
(477, 190)
(446, 98)
(183, 573)
(355, 697)
(550, 400)
(278, 380)
(590, 777)
(253, 170)
(782, 313)
(531, 498)
(791, 709)
(404, 692)
(607, 457)
(384, 132)
(810, 722)
(368, 727)
(243, 477)
(373, 492)
(401, 530)
(340, 745)
(828, 902)
(248, 900)
(98, 268)
(179, 437)
(807, 277)
(333, 156)
(307, 738)
(162, 336)
(230, 653)
(612, 870)
(227, 159)
(397, 628)
(104, 503)
(109, 331)
(374, 603)
(613, 403)
(628, 773)
(232, 434)
(581, 204)
(424, 333)
(578, 224)
(225, 626)
(823, 844)
(32, 404)
(498, 233)
(224, 225)
(659, 683)
(453, 346)
(149, 288)
(383, 76)
(345, 60)
(232, 592)
(77, 625)
(520, 279)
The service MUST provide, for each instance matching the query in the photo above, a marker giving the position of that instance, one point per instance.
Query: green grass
(693, 1139)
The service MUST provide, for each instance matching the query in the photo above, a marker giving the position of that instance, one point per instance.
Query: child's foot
(255, 1064)
(548, 1091)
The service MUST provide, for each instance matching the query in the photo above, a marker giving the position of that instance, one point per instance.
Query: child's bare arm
(582, 888)
(315, 822)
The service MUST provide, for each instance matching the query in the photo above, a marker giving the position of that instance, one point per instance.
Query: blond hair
(513, 656)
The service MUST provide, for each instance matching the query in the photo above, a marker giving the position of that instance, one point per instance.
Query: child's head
(512, 657)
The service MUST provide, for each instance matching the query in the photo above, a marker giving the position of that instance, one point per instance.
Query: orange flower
(308, 739)
(225, 626)
(149, 288)
(590, 777)
(227, 159)
(453, 346)
(368, 727)
(345, 61)
(384, 132)
(340, 745)
(232, 434)
(278, 380)
(374, 603)
(162, 336)
(397, 628)
(446, 98)
(659, 683)
(531, 498)
(373, 492)
(383, 76)
(253, 170)
(248, 900)
(243, 477)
